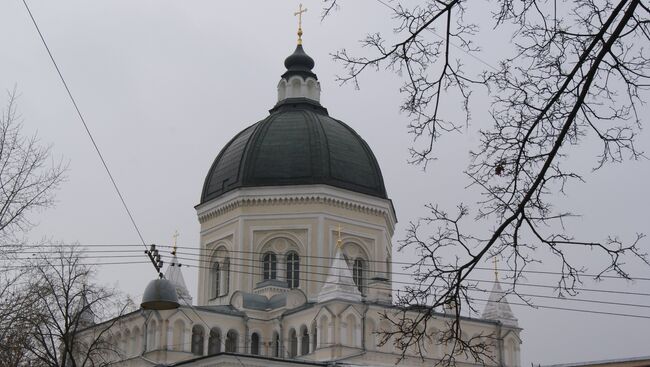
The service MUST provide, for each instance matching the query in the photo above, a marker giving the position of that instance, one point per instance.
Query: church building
(295, 243)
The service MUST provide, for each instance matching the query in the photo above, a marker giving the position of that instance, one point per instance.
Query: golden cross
(299, 14)
(496, 271)
(338, 241)
(175, 236)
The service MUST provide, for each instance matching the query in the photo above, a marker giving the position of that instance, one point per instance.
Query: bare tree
(578, 71)
(62, 325)
(29, 177)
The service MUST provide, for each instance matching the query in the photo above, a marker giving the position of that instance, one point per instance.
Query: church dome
(297, 144)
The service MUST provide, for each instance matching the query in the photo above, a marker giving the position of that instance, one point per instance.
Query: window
(270, 266)
(216, 280)
(276, 344)
(197, 340)
(293, 270)
(293, 343)
(225, 289)
(152, 335)
(357, 273)
(214, 343)
(231, 341)
(314, 336)
(178, 335)
(304, 341)
(255, 344)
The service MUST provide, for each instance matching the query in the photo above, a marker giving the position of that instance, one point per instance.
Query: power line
(542, 272)
(471, 298)
(392, 272)
(85, 125)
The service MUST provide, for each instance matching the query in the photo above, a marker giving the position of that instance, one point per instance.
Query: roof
(627, 362)
(297, 144)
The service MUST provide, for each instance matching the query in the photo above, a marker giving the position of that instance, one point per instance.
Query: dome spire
(299, 14)
(299, 81)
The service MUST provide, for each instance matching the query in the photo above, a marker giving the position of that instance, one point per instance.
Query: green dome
(297, 144)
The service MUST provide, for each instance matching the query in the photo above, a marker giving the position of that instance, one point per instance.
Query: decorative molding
(267, 197)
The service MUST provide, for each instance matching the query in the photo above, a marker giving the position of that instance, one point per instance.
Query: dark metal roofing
(297, 144)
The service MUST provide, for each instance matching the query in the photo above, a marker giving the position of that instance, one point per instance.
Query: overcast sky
(165, 84)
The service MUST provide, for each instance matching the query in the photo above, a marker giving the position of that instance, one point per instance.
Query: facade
(296, 229)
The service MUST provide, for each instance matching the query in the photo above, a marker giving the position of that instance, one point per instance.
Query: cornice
(316, 194)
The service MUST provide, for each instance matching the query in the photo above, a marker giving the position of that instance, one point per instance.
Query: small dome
(297, 144)
(299, 63)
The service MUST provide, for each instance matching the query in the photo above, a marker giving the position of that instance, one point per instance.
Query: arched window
(255, 344)
(214, 343)
(324, 331)
(304, 341)
(178, 335)
(231, 341)
(351, 334)
(314, 336)
(293, 270)
(216, 280)
(152, 335)
(127, 342)
(225, 289)
(358, 273)
(197, 340)
(270, 266)
(137, 349)
(293, 343)
(276, 344)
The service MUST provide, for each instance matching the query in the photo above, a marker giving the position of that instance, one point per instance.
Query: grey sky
(165, 84)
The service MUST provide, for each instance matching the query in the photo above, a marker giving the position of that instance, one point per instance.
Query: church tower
(277, 194)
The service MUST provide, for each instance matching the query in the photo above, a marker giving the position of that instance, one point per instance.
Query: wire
(373, 261)
(471, 298)
(533, 285)
(83, 121)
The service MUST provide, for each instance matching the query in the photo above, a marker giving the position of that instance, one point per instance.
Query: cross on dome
(299, 14)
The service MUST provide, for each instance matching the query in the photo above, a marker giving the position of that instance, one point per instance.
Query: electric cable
(90, 135)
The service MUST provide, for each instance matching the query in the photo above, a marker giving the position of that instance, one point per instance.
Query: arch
(295, 87)
(275, 344)
(512, 353)
(304, 340)
(293, 269)
(314, 336)
(384, 326)
(214, 341)
(152, 335)
(178, 335)
(269, 266)
(255, 344)
(293, 343)
(231, 341)
(225, 277)
(312, 89)
(215, 280)
(359, 274)
(371, 334)
(127, 342)
(198, 336)
(282, 90)
(136, 337)
(351, 330)
(324, 331)
(435, 343)
(219, 277)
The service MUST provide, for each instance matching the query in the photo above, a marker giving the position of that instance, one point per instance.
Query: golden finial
(175, 237)
(299, 14)
(338, 241)
(496, 271)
